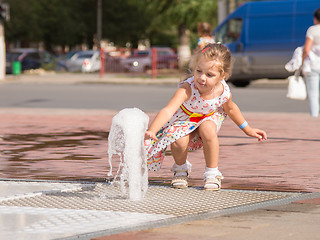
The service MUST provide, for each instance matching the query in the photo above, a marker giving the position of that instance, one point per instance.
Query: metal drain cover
(48, 210)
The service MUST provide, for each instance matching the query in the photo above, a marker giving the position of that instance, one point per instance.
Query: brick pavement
(71, 144)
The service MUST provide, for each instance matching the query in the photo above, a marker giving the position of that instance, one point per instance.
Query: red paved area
(72, 144)
(138, 235)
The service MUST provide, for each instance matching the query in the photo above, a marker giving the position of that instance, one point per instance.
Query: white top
(203, 41)
(313, 33)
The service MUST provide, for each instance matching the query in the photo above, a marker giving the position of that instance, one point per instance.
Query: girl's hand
(254, 132)
(149, 135)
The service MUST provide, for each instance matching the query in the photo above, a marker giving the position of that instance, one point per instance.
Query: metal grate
(101, 207)
(159, 200)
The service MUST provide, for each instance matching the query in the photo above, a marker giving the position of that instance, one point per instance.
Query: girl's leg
(179, 149)
(181, 168)
(208, 133)
(312, 81)
(212, 176)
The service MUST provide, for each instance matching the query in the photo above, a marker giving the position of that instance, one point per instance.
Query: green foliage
(22, 14)
(73, 22)
(184, 12)
(173, 14)
(124, 22)
(55, 22)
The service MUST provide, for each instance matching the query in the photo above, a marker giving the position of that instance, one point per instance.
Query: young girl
(193, 117)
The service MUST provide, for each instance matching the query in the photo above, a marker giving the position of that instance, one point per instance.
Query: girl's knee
(181, 143)
(208, 130)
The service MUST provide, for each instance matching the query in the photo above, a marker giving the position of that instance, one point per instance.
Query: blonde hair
(214, 52)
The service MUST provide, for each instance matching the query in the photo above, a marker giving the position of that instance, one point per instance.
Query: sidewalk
(67, 78)
(118, 78)
(62, 144)
(68, 139)
(68, 144)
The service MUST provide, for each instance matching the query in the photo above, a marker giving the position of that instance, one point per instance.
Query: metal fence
(154, 62)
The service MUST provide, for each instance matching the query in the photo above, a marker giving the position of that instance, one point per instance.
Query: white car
(84, 61)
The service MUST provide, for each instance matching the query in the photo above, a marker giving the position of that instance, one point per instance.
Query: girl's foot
(213, 184)
(180, 179)
(212, 179)
(181, 175)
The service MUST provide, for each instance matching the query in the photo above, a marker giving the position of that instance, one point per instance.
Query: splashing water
(126, 139)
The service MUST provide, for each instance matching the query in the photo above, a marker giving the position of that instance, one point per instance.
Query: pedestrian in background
(205, 35)
(311, 51)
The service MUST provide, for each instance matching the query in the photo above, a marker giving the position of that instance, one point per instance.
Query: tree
(184, 16)
(61, 23)
(124, 21)
(52, 22)
(70, 22)
(22, 18)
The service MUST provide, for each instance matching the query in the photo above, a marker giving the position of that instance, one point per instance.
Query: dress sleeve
(226, 93)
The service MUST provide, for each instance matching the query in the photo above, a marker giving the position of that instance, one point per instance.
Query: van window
(230, 31)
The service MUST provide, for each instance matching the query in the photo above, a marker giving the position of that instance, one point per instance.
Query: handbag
(297, 87)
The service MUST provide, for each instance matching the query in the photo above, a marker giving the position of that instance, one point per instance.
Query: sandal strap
(180, 182)
(181, 171)
(216, 180)
(213, 177)
(180, 179)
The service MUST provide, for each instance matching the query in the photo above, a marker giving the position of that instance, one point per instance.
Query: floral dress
(186, 119)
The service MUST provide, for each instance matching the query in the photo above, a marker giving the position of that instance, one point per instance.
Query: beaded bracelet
(243, 125)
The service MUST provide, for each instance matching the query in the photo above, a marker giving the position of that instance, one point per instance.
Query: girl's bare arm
(236, 116)
(182, 94)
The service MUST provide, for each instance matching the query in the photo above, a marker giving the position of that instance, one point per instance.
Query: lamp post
(99, 23)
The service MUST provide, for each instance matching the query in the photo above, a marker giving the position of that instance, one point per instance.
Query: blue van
(262, 36)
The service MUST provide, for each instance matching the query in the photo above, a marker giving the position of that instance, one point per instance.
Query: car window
(230, 31)
(70, 54)
(34, 55)
(141, 53)
(85, 55)
(12, 57)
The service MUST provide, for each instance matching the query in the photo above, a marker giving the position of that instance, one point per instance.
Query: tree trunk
(2, 53)
(184, 52)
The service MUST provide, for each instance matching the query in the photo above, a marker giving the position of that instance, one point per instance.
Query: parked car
(62, 66)
(84, 61)
(262, 36)
(29, 58)
(141, 60)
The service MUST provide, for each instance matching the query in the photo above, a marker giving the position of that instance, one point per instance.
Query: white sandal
(181, 175)
(180, 181)
(213, 184)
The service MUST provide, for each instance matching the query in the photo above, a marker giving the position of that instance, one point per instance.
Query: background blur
(56, 30)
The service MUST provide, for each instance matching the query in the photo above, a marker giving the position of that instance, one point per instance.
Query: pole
(2, 53)
(99, 35)
(102, 60)
(99, 23)
(154, 62)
